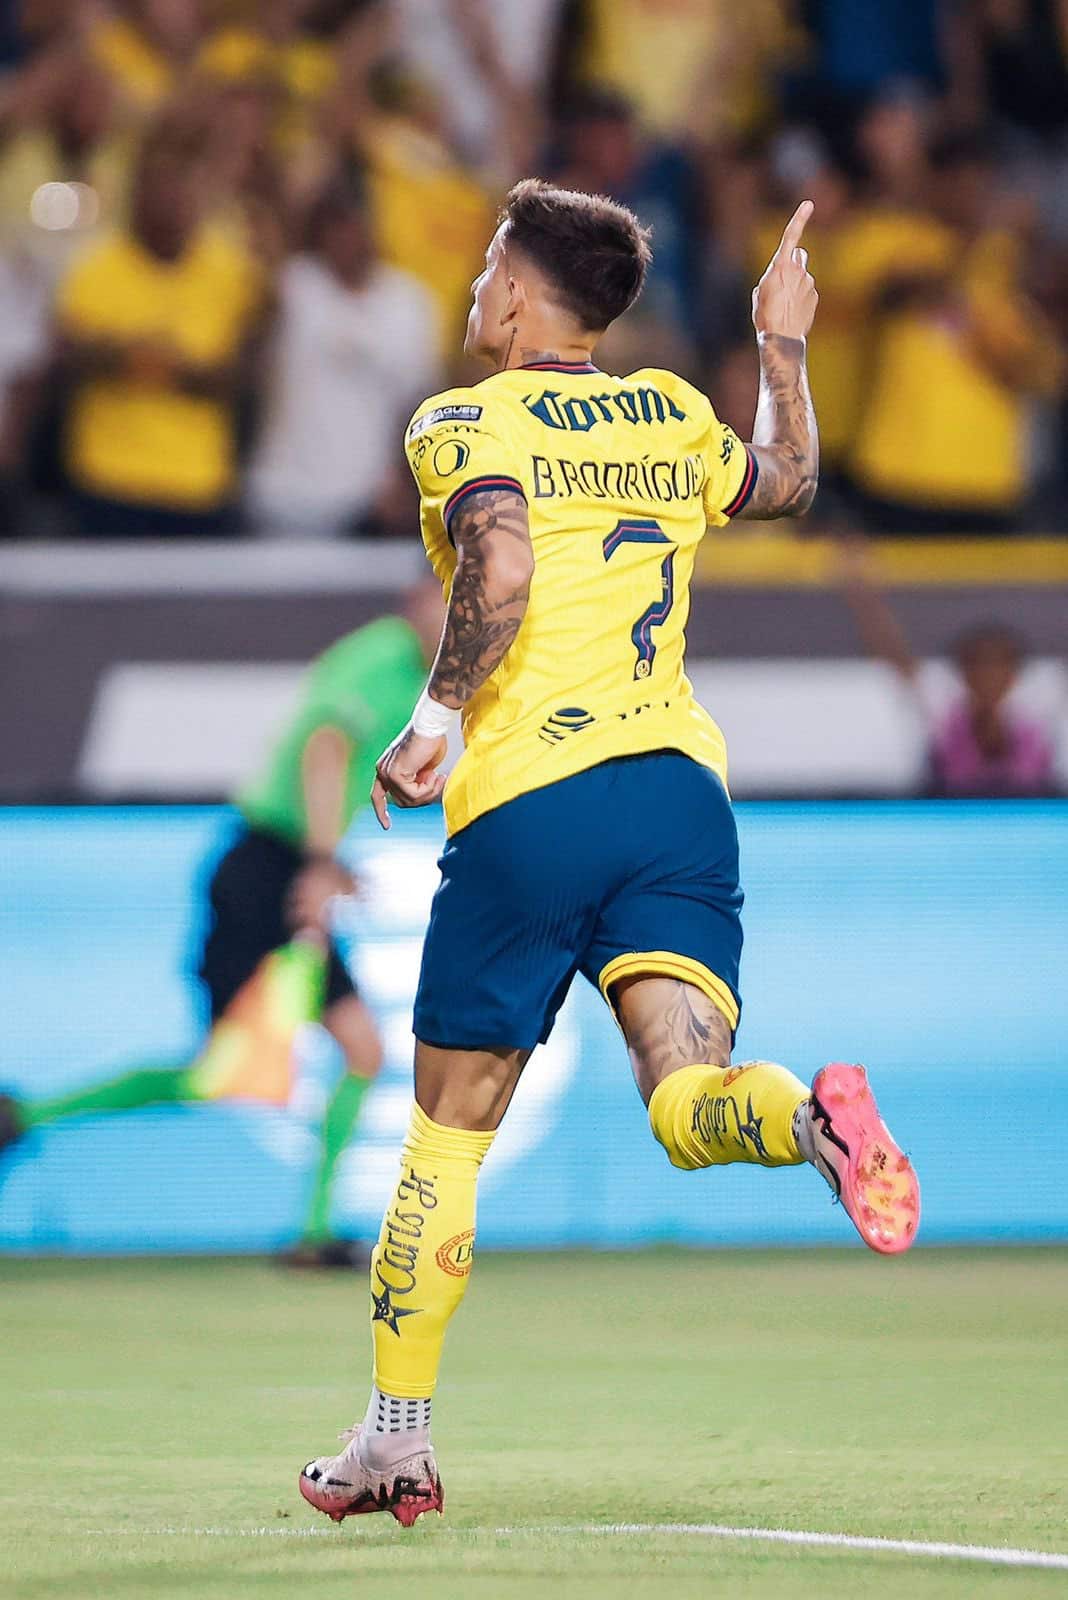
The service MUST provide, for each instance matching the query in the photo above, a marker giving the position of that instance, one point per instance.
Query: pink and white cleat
(853, 1150)
(343, 1486)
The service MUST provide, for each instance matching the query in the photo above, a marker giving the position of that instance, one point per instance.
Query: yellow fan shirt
(431, 218)
(621, 477)
(150, 443)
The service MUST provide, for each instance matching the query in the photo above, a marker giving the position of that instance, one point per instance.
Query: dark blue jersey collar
(559, 366)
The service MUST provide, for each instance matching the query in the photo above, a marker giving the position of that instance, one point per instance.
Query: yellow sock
(710, 1116)
(421, 1263)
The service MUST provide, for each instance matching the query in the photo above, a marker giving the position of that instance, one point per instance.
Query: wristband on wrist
(432, 720)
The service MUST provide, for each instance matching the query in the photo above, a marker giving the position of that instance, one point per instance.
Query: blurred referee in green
(278, 879)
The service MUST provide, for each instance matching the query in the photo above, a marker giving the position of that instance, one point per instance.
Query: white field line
(993, 1555)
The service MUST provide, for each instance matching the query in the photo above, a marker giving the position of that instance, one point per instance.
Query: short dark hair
(592, 251)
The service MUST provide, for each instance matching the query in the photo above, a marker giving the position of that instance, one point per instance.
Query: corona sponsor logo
(580, 414)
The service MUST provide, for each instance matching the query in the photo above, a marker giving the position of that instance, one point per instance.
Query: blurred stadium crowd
(236, 239)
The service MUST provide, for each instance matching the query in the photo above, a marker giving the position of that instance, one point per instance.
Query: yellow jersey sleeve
(731, 472)
(459, 443)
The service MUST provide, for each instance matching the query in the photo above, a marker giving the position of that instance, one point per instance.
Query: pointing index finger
(795, 228)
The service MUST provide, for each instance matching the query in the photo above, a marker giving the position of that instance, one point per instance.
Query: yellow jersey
(430, 217)
(694, 44)
(940, 428)
(149, 442)
(621, 477)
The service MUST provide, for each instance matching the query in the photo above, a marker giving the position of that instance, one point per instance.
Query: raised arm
(490, 590)
(785, 442)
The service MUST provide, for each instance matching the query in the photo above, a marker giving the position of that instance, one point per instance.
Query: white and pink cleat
(852, 1148)
(344, 1486)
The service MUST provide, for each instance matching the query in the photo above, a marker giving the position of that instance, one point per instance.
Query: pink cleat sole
(873, 1176)
(405, 1500)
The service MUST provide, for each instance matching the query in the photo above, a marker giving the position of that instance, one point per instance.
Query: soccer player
(276, 882)
(589, 825)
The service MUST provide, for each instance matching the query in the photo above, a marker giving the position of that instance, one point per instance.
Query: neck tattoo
(507, 354)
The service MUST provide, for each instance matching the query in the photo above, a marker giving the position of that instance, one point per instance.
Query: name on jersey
(662, 481)
(443, 414)
(581, 413)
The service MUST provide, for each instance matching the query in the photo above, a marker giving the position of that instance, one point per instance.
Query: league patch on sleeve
(443, 414)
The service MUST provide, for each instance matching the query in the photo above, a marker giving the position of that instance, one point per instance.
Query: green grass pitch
(155, 1416)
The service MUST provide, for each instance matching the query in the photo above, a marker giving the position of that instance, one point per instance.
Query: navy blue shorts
(631, 866)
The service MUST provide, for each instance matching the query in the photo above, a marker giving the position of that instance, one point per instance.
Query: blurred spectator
(604, 152)
(709, 119)
(147, 46)
(942, 446)
(64, 165)
(245, 189)
(860, 248)
(891, 139)
(982, 740)
(354, 352)
(863, 45)
(1011, 67)
(24, 350)
(31, 27)
(155, 325)
(688, 67)
(289, 47)
(431, 214)
(486, 62)
(1011, 62)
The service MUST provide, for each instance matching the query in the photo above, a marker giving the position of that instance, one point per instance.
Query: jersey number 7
(640, 530)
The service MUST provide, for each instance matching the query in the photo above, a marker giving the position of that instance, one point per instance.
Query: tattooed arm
(785, 439)
(490, 590)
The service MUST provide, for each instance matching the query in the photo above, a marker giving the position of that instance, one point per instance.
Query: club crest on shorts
(454, 1256)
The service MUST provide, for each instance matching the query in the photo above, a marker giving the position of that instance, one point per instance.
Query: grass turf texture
(922, 1398)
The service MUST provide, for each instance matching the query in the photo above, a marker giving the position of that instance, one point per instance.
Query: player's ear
(515, 303)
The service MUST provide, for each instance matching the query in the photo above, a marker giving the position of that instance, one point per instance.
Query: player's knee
(466, 1088)
(472, 1104)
